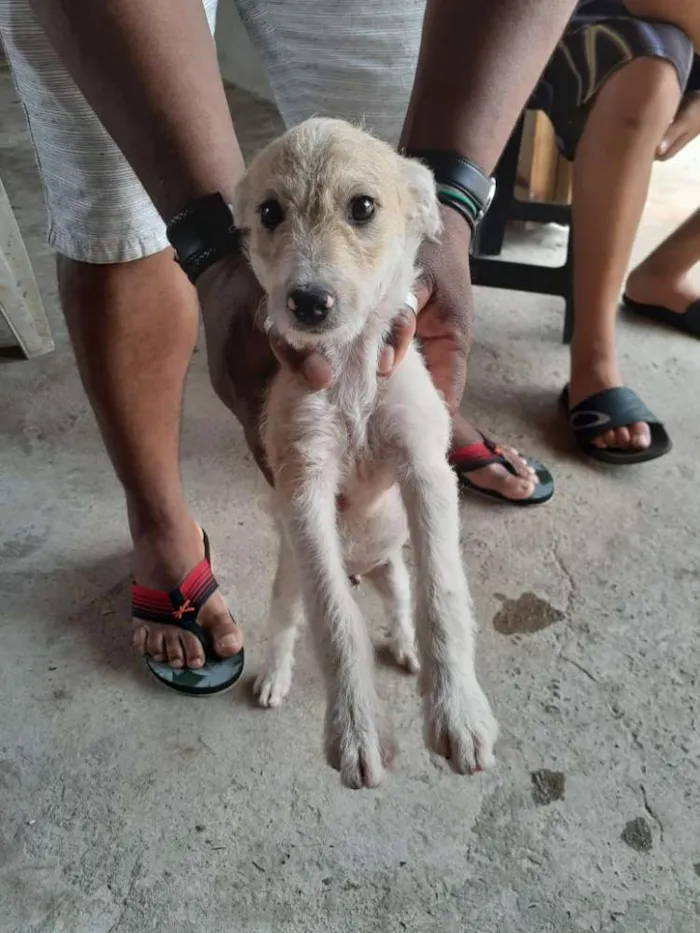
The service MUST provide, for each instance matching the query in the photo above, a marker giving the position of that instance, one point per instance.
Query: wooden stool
(488, 242)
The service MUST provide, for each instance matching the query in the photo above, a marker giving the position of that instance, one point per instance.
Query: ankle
(647, 272)
(159, 521)
(592, 367)
(587, 354)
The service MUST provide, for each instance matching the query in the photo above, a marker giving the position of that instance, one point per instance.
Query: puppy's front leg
(286, 617)
(355, 744)
(458, 719)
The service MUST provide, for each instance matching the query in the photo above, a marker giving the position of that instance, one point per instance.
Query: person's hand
(445, 307)
(683, 130)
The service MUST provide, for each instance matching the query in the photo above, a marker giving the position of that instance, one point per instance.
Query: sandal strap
(475, 456)
(180, 607)
(608, 410)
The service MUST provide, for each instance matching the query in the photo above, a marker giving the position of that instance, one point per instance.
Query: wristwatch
(202, 233)
(460, 183)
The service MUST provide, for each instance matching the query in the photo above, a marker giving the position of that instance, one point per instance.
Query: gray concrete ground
(124, 808)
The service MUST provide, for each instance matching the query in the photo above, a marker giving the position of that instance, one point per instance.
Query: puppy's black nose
(310, 304)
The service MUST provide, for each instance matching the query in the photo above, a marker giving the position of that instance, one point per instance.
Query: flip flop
(180, 609)
(609, 409)
(464, 460)
(688, 322)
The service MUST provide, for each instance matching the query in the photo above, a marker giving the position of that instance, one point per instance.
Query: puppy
(332, 220)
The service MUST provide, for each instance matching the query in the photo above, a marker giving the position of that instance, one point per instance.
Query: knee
(150, 278)
(643, 97)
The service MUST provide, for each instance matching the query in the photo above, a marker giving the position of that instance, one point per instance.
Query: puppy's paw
(405, 654)
(459, 724)
(272, 684)
(357, 745)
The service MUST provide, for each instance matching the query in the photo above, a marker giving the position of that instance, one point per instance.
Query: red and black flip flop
(465, 460)
(180, 609)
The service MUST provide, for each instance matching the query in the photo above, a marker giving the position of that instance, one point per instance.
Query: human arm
(479, 62)
(150, 73)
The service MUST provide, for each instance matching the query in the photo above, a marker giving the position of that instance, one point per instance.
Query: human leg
(121, 294)
(612, 169)
(663, 279)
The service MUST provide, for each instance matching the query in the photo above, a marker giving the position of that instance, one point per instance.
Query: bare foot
(651, 287)
(591, 378)
(495, 476)
(162, 559)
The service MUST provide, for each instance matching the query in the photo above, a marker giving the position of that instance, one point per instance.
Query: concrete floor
(124, 808)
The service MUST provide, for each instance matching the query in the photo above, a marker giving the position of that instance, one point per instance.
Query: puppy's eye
(271, 214)
(362, 209)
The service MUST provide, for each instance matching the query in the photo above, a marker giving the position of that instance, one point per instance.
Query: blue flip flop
(688, 322)
(610, 409)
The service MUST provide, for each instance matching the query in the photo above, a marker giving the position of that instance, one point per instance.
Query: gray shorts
(353, 60)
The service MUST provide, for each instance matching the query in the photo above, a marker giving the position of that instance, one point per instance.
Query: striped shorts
(588, 54)
(354, 59)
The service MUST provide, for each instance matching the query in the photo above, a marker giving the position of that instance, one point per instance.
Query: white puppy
(332, 221)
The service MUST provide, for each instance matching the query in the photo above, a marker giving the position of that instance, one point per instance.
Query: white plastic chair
(20, 302)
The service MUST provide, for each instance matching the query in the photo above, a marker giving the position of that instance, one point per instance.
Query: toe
(139, 639)
(517, 461)
(173, 649)
(227, 637)
(192, 648)
(155, 646)
(640, 435)
(622, 437)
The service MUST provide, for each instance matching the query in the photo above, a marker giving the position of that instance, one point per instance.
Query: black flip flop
(180, 608)
(464, 460)
(609, 409)
(688, 322)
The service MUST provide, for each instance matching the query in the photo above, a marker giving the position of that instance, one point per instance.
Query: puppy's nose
(310, 304)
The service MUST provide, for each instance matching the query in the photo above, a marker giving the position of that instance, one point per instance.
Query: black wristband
(202, 233)
(460, 184)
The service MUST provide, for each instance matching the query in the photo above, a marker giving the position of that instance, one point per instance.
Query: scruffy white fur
(380, 444)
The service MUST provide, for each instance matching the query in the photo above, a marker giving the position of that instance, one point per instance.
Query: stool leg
(489, 237)
(569, 288)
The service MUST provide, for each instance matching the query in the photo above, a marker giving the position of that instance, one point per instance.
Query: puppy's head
(332, 220)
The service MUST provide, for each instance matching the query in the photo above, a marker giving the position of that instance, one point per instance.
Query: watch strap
(460, 183)
(202, 233)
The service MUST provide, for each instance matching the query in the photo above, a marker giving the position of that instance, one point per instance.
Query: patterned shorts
(321, 57)
(588, 55)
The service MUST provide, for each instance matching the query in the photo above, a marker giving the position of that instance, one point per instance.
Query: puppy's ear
(422, 202)
(241, 202)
